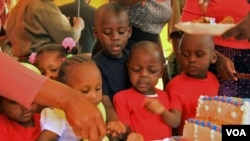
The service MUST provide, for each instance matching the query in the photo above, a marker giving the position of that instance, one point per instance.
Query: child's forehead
(111, 14)
(146, 54)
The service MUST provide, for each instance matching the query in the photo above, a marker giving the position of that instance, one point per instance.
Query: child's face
(145, 68)
(49, 63)
(196, 57)
(17, 112)
(113, 32)
(87, 79)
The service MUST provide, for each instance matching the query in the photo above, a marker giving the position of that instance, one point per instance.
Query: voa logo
(236, 132)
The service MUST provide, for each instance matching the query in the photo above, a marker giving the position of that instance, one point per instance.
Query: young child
(49, 58)
(81, 74)
(196, 54)
(143, 107)
(112, 31)
(18, 123)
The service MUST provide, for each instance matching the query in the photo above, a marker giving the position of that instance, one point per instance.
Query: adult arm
(173, 32)
(87, 123)
(54, 22)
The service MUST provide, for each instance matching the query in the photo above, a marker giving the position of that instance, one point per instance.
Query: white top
(54, 120)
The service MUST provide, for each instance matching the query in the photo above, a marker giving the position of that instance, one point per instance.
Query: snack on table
(212, 113)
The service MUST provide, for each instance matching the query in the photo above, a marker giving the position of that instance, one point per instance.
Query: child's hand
(116, 129)
(133, 136)
(153, 105)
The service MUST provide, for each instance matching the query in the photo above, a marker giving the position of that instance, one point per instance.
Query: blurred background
(167, 47)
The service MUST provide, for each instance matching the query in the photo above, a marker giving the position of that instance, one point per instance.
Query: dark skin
(145, 68)
(112, 30)
(225, 66)
(241, 31)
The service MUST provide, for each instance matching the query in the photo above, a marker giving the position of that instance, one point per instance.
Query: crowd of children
(119, 80)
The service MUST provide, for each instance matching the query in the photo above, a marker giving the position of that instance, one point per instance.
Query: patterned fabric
(150, 17)
(241, 59)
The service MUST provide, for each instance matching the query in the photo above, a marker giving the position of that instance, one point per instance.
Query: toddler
(196, 54)
(143, 107)
(18, 123)
(80, 73)
(49, 58)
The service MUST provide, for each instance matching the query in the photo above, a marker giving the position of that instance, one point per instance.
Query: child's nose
(92, 96)
(51, 75)
(192, 58)
(144, 73)
(115, 36)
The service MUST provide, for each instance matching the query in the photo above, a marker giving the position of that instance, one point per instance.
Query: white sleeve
(51, 121)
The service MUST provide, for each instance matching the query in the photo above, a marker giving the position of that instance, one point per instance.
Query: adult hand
(78, 23)
(204, 2)
(83, 116)
(203, 5)
(240, 31)
(225, 67)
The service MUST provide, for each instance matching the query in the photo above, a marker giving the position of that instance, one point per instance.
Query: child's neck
(28, 123)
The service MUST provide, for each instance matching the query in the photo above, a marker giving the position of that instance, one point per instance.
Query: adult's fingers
(204, 2)
(98, 131)
(82, 132)
(231, 32)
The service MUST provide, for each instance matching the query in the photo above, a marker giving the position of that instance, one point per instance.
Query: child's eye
(200, 54)
(121, 32)
(184, 54)
(85, 91)
(107, 32)
(135, 69)
(153, 71)
(54, 70)
(98, 89)
(12, 102)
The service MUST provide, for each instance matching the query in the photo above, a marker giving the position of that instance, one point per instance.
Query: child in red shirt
(143, 107)
(196, 54)
(18, 123)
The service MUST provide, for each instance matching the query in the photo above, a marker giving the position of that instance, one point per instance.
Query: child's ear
(130, 31)
(94, 32)
(214, 57)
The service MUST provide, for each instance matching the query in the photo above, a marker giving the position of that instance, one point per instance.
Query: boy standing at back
(112, 31)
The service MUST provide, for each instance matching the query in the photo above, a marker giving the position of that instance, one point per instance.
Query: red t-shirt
(17, 82)
(185, 91)
(128, 104)
(219, 9)
(12, 131)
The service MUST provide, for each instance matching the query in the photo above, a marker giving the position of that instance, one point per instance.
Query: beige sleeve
(177, 6)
